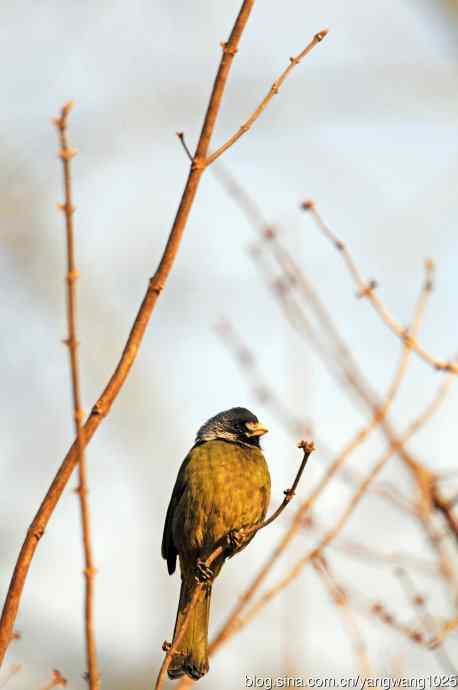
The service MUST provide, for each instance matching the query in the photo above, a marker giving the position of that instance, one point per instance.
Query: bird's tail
(191, 657)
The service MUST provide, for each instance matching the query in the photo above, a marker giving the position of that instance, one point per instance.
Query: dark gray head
(238, 425)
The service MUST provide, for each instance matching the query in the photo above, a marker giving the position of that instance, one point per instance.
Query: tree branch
(66, 154)
(367, 289)
(274, 89)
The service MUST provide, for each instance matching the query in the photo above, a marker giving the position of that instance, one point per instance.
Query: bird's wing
(168, 549)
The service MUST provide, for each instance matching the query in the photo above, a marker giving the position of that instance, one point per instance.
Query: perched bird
(222, 486)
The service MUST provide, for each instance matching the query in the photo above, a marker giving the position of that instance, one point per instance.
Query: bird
(222, 487)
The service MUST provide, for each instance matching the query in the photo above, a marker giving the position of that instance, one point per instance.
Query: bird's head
(238, 425)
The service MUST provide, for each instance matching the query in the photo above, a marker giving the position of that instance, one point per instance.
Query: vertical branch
(66, 153)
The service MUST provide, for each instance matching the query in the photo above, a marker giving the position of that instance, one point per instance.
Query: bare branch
(66, 154)
(308, 447)
(367, 289)
(274, 89)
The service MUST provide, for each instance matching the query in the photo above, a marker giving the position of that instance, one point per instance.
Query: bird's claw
(203, 572)
(235, 539)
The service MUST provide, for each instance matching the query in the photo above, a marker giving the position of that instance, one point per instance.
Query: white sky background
(366, 125)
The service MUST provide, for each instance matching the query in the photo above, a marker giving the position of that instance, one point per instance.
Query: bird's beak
(256, 429)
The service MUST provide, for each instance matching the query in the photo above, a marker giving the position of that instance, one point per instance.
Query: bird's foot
(203, 572)
(235, 539)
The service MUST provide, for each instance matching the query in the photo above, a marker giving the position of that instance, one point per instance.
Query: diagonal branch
(66, 153)
(274, 89)
(155, 286)
(368, 290)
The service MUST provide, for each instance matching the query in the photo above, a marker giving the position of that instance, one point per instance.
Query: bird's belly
(223, 494)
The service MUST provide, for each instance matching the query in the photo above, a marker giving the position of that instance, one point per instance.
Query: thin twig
(274, 89)
(308, 447)
(180, 136)
(66, 153)
(367, 289)
(446, 508)
(155, 287)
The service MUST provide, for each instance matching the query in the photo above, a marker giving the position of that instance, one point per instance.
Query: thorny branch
(66, 153)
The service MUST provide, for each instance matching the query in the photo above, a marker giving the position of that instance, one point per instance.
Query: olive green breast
(226, 486)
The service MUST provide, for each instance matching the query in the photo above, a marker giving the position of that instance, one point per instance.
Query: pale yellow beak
(256, 429)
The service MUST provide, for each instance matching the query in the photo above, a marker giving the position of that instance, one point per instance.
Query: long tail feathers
(191, 657)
